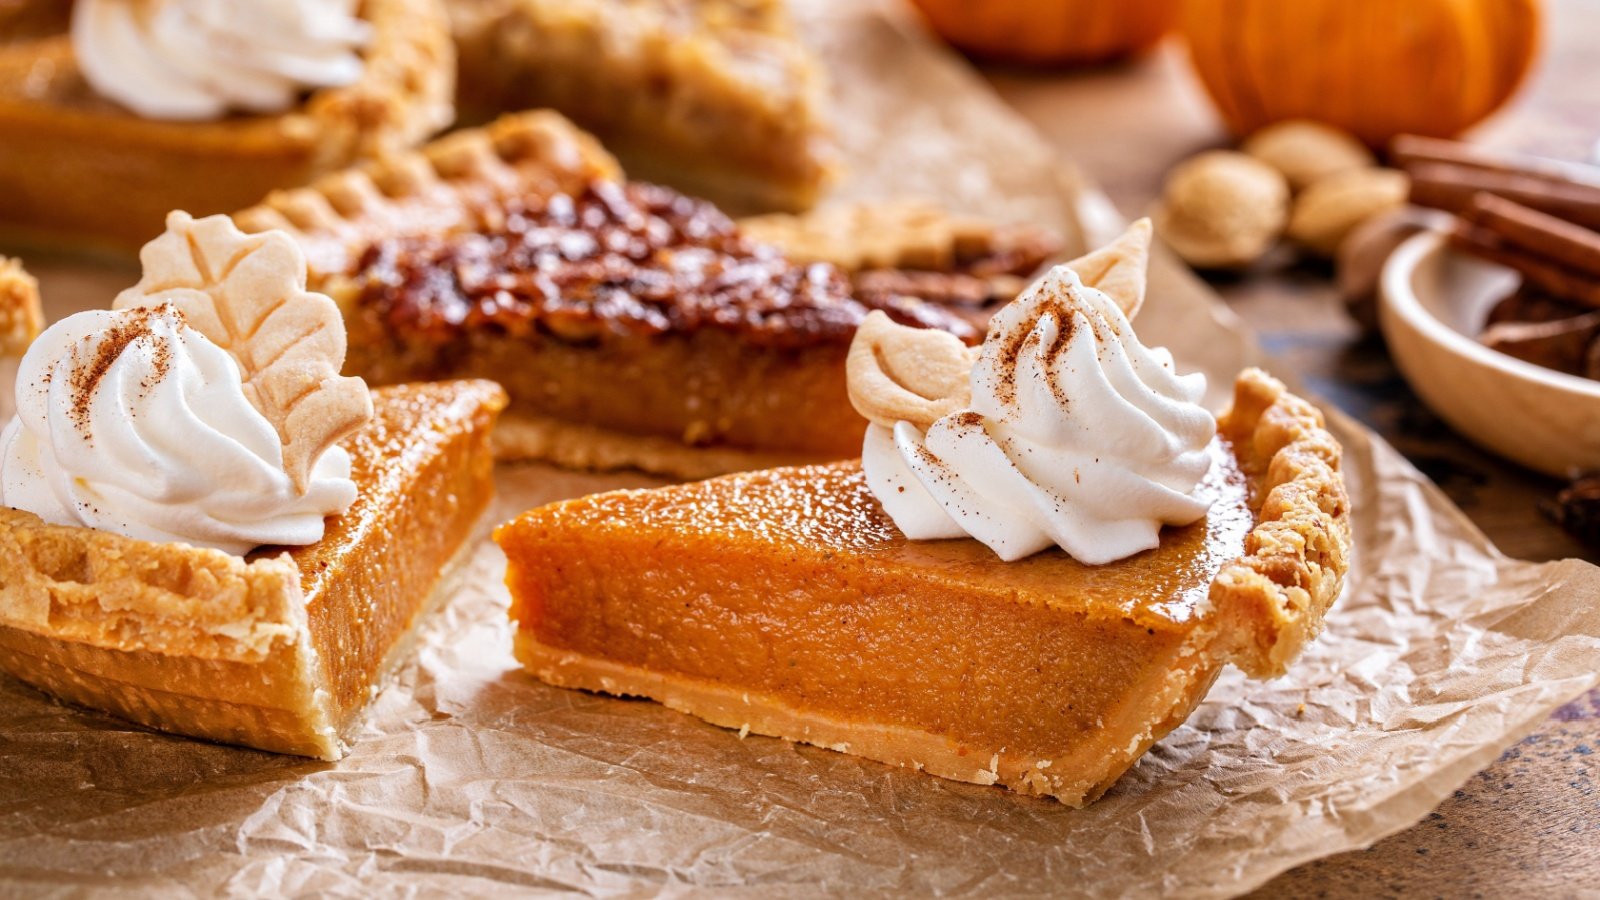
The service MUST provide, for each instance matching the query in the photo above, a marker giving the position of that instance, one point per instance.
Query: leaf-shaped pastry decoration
(247, 294)
(902, 374)
(1118, 268)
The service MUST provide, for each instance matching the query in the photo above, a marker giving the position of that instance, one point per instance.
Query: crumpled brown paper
(471, 777)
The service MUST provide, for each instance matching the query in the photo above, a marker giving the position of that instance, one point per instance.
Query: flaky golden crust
(446, 185)
(107, 590)
(177, 637)
(1273, 600)
(21, 316)
(76, 154)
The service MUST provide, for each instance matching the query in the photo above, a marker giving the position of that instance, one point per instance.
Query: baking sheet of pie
(471, 777)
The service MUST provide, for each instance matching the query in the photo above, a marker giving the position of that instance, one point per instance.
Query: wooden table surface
(1530, 823)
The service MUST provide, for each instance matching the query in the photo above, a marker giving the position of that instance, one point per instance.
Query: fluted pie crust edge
(448, 183)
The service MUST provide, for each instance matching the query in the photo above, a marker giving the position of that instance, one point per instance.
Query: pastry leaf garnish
(247, 294)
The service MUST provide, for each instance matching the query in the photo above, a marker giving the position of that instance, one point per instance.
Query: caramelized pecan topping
(628, 258)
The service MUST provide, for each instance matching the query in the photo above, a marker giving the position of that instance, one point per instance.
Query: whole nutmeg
(1222, 209)
(1328, 210)
(1307, 152)
(1361, 257)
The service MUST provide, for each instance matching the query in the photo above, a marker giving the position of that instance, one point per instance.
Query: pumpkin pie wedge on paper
(204, 529)
(632, 326)
(717, 97)
(996, 594)
(112, 117)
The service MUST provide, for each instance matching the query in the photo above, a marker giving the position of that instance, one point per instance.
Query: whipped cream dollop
(200, 59)
(1075, 435)
(133, 422)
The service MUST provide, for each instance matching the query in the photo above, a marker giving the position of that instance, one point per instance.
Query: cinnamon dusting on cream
(1061, 385)
(129, 331)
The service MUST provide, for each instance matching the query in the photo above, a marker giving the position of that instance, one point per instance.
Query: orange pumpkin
(1376, 68)
(1051, 32)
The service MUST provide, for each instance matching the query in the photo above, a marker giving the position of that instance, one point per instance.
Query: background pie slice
(631, 325)
(280, 650)
(715, 97)
(75, 167)
(914, 248)
(785, 602)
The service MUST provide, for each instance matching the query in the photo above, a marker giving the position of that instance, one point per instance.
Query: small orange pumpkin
(1376, 68)
(1051, 32)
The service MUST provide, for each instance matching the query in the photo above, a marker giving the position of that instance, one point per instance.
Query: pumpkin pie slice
(280, 649)
(631, 325)
(716, 97)
(786, 602)
(207, 530)
(77, 166)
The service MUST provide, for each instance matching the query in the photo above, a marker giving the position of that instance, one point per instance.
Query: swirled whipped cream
(133, 422)
(200, 59)
(1074, 433)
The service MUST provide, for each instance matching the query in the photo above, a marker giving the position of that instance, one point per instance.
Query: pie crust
(717, 97)
(820, 623)
(280, 650)
(21, 315)
(67, 150)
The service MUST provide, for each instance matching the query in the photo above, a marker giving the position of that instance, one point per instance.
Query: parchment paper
(471, 777)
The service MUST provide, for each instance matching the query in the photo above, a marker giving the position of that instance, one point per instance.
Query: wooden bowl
(1435, 302)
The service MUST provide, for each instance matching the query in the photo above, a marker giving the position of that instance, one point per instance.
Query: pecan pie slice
(631, 325)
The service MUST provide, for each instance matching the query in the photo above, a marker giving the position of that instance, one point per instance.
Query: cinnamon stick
(1528, 305)
(1564, 345)
(1451, 187)
(1409, 151)
(1536, 271)
(1566, 243)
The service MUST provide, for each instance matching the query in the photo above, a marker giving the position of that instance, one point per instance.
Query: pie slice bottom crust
(786, 603)
(280, 650)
